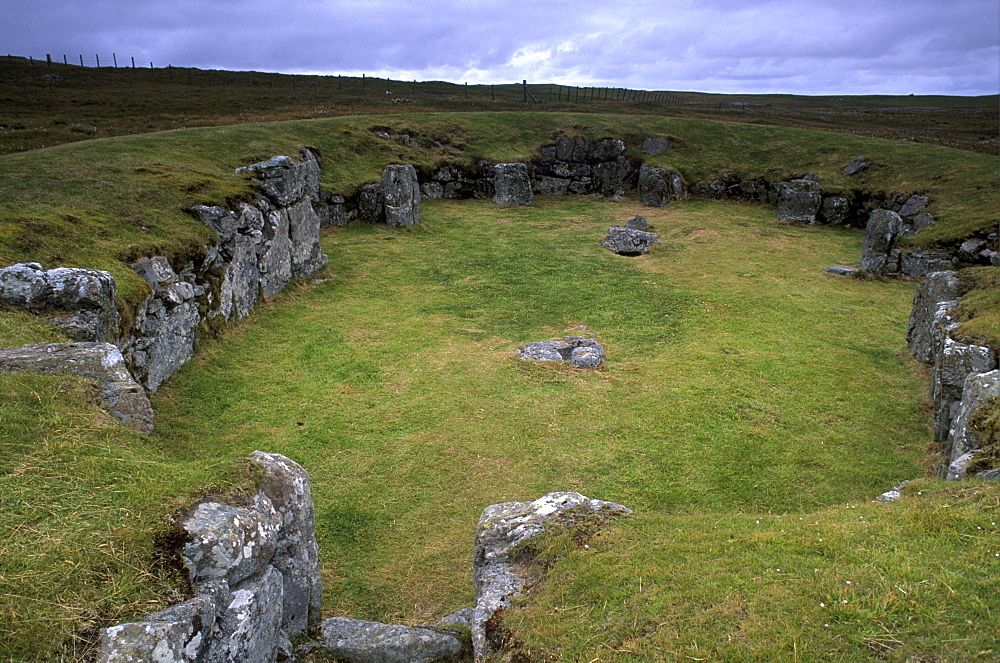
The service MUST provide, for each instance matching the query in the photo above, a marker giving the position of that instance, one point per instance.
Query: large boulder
(103, 362)
(357, 641)
(799, 201)
(511, 185)
(659, 186)
(504, 549)
(881, 234)
(84, 302)
(401, 195)
(936, 288)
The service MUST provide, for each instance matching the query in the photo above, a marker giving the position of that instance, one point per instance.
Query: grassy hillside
(743, 383)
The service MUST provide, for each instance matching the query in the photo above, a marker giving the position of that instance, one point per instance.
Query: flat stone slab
(103, 362)
(359, 641)
(842, 271)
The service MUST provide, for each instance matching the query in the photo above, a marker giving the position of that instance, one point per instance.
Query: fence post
(64, 60)
(362, 82)
(525, 84)
(97, 56)
(133, 62)
(466, 89)
(115, 58)
(48, 60)
(493, 96)
(414, 87)
(81, 60)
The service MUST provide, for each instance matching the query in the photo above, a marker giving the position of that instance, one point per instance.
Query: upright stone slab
(881, 234)
(401, 195)
(511, 185)
(799, 201)
(305, 255)
(659, 186)
(936, 288)
(953, 363)
(979, 388)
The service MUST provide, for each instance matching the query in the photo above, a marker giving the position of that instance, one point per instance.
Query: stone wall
(256, 579)
(964, 377)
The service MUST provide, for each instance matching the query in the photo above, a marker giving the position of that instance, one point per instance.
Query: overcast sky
(752, 46)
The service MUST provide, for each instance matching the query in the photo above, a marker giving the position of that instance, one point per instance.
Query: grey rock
(936, 288)
(835, 210)
(614, 176)
(551, 186)
(84, 302)
(503, 538)
(913, 206)
(546, 351)
(511, 185)
(842, 271)
(357, 641)
(401, 195)
(461, 617)
(959, 466)
(607, 149)
(971, 248)
(922, 221)
(953, 363)
(249, 629)
(305, 254)
(177, 635)
(287, 488)
(572, 148)
(656, 145)
(230, 543)
(371, 203)
(432, 190)
(627, 242)
(918, 263)
(881, 234)
(638, 222)
(659, 186)
(589, 357)
(978, 389)
(103, 362)
(274, 253)
(799, 201)
(285, 182)
(859, 164)
(989, 475)
(891, 495)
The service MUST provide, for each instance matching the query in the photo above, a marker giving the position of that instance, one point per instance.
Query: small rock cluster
(632, 239)
(964, 376)
(579, 351)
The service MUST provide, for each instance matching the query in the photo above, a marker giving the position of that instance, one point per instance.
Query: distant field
(92, 103)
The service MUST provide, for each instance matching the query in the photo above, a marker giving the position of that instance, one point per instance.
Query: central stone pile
(579, 351)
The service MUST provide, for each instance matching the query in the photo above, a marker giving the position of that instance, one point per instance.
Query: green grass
(742, 378)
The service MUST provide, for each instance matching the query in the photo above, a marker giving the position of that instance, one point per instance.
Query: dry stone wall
(964, 377)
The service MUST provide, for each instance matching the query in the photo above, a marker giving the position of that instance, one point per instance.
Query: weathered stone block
(511, 184)
(936, 288)
(357, 641)
(401, 195)
(881, 234)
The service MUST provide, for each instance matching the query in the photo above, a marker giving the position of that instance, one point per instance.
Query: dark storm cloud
(799, 46)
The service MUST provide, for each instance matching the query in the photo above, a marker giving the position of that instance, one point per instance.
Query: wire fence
(396, 90)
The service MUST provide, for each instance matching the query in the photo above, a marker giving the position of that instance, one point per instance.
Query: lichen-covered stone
(103, 362)
(504, 532)
(659, 186)
(287, 487)
(978, 389)
(835, 210)
(511, 185)
(881, 234)
(859, 164)
(799, 201)
(84, 302)
(936, 288)
(627, 242)
(400, 195)
(953, 363)
(357, 641)
(230, 543)
(179, 634)
(249, 629)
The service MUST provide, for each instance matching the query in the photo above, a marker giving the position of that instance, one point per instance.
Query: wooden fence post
(98, 57)
(115, 58)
